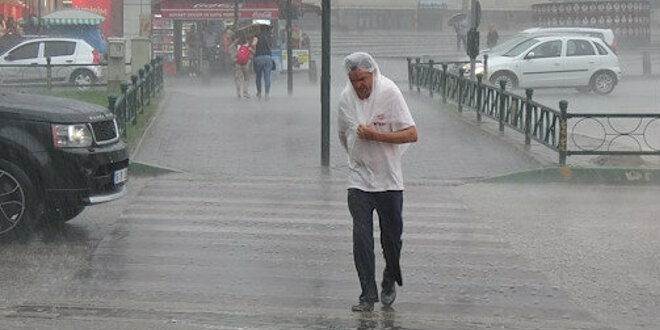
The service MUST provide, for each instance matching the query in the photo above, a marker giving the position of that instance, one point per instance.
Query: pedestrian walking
(374, 127)
(262, 61)
(492, 37)
(194, 43)
(242, 56)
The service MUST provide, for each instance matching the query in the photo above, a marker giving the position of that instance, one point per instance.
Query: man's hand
(367, 132)
(406, 135)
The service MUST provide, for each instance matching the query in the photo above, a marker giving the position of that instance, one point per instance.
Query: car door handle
(69, 61)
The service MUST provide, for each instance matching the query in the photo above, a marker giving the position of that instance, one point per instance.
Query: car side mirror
(530, 55)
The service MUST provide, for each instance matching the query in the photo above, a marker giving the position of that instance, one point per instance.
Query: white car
(574, 61)
(607, 35)
(26, 62)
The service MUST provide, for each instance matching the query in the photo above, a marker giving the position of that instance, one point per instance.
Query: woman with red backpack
(242, 53)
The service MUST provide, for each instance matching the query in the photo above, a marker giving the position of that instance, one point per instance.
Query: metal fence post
(112, 101)
(443, 80)
(49, 73)
(502, 104)
(410, 83)
(123, 87)
(479, 95)
(563, 132)
(417, 75)
(485, 66)
(144, 94)
(528, 116)
(461, 72)
(431, 77)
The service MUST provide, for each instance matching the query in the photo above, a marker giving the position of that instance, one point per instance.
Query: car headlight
(479, 69)
(72, 136)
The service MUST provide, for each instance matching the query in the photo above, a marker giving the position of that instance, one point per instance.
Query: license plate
(120, 176)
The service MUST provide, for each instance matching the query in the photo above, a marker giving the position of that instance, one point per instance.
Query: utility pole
(289, 51)
(325, 84)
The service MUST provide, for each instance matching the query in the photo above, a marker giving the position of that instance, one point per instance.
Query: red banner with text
(101, 7)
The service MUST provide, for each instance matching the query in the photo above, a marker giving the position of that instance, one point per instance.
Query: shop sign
(101, 7)
(218, 10)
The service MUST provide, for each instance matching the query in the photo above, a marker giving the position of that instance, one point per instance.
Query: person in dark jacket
(262, 61)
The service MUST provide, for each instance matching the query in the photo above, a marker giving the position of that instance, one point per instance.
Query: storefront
(174, 19)
(11, 9)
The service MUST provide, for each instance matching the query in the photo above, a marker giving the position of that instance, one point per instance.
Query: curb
(578, 175)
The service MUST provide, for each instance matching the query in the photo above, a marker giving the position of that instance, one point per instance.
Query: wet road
(249, 233)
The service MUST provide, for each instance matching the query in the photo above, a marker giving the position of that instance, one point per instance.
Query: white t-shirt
(374, 166)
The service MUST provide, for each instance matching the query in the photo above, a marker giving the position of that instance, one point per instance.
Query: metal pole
(289, 51)
(235, 15)
(325, 84)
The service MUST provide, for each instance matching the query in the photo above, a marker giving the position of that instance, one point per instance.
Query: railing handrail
(541, 123)
(136, 94)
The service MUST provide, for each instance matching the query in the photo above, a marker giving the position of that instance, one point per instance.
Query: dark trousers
(388, 205)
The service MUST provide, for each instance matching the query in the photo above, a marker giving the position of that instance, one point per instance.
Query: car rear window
(59, 48)
(601, 49)
(579, 47)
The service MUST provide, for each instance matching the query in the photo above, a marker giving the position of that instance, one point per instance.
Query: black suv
(56, 157)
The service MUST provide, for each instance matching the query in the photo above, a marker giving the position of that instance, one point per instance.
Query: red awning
(218, 9)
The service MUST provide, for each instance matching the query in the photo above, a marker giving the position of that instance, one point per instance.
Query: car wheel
(82, 78)
(20, 208)
(603, 82)
(62, 214)
(508, 78)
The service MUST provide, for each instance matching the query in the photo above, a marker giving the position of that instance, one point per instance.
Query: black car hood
(36, 107)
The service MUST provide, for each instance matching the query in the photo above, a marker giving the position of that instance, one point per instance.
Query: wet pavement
(249, 232)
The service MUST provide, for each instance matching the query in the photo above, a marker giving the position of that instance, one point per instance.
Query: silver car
(74, 62)
(573, 61)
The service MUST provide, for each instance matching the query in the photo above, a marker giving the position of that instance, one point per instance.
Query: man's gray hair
(360, 61)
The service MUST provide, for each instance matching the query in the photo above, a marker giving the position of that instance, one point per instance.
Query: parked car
(607, 35)
(57, 156)
(26, 62)
(582, 62)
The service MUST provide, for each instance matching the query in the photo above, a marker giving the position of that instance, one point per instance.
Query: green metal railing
(558, 130)
(136, 95)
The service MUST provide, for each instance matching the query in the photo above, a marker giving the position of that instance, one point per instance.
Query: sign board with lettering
(218, 10)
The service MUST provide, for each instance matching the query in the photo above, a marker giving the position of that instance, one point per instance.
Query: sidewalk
(477, 254)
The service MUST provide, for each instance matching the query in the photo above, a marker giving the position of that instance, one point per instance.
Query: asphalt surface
(248, 231)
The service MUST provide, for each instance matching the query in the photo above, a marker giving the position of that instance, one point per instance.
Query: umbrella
(72, 17)
(250, 31)
(457, 18)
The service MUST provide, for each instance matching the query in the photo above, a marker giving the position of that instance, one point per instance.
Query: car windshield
(507, 44)
(520, 47)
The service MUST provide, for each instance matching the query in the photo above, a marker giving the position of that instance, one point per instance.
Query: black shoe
(388, 293)
(363, 306)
